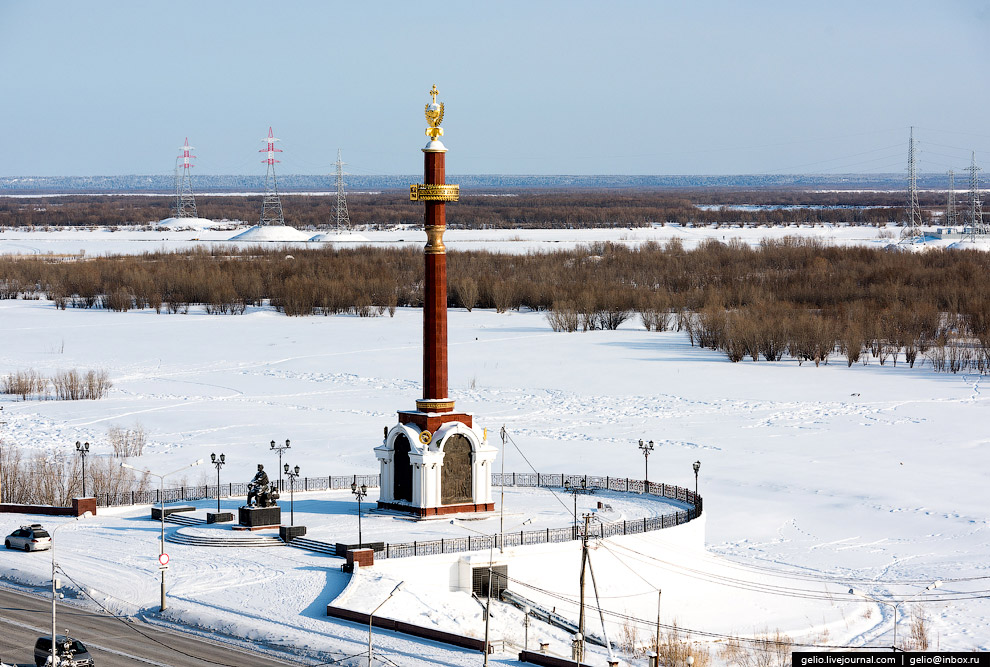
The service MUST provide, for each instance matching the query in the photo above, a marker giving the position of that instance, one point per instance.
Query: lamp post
(491, 558)
(398, 587)
(280, 449)
(85, 515)
(525, 611)
(574, 490)
(647, 449)
(697, 466)
(161, 495)
(894, 605)
(83, 449)
(293, 473)
(359, 492)
(218, 462)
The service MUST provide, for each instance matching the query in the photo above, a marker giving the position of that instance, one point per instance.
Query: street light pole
(574, 490)
(895, 605)
(85, 515)
(292, 474)
(218, 463)
(697, 466)
(491, 576)
(161, 497)
(359, 492)
(83, 449)
(280, 449)
(647, 449)
(398, 587)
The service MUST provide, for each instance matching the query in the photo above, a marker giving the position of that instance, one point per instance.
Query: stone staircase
(226, 539)
(314, 545)
(184, 520)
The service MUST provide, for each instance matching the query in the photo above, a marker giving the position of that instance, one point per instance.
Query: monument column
(434, 193)
(436, 451)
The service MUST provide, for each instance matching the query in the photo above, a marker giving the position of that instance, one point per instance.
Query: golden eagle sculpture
(434, 116)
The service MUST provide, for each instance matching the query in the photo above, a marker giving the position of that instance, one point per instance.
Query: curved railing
(589, 483)
(557, 535)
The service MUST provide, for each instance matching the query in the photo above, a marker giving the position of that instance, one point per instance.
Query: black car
(72, 652)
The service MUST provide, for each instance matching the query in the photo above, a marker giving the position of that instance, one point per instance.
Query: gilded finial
(434, 116)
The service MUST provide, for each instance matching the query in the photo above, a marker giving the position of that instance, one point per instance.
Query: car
(29, 538)
(71, 652)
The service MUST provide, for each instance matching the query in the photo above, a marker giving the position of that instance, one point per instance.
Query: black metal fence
(469, 543)
(181, 494)
(556, 535)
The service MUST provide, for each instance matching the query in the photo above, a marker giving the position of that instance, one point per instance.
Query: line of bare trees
(783, 297)
(70, 385)
(521, 209)
(55, 478)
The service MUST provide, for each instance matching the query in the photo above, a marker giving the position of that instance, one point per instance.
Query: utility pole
(975, 206)
(271, 207)
(584, 562)
(659, 595)
(185, 202)
(343, 220)
(914, 209)
(950, 204)
(501, 502)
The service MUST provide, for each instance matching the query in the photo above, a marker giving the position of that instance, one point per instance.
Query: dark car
(71, 652)
(29, 538)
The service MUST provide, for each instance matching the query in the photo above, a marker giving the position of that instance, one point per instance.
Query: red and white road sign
(163, 559)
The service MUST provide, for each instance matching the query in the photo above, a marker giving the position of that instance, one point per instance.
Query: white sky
(548, 87)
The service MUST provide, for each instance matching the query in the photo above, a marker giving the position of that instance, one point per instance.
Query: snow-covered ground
(814, 479)
(135, 240)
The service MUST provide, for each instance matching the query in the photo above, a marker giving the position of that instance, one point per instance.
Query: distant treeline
(523, 209)
(796, 297)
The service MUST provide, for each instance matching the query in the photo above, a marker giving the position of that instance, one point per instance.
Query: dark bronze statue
(261, 493)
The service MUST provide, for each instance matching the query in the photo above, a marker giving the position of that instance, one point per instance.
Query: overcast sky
(534, 87)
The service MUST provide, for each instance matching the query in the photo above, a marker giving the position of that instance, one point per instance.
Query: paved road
(23, 617)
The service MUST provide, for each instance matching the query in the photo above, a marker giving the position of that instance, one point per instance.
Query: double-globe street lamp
(83, 449)
(161, 496)
(359, 492)
(647, 449)
(279, 449)
(218, 462)
(292, 474)
(894, 605)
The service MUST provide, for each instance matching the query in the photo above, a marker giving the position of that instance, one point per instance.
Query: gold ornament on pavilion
(434, 116)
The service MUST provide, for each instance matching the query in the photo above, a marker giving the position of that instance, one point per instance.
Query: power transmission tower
(950, 204)
(914, 215)
(343, 220)
(185, 203)
(271, 208)
(975, 206)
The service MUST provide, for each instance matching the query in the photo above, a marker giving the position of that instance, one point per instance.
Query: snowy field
(814, 478)
(134, 240)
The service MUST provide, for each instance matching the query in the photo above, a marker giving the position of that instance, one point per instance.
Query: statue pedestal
(256, 518)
